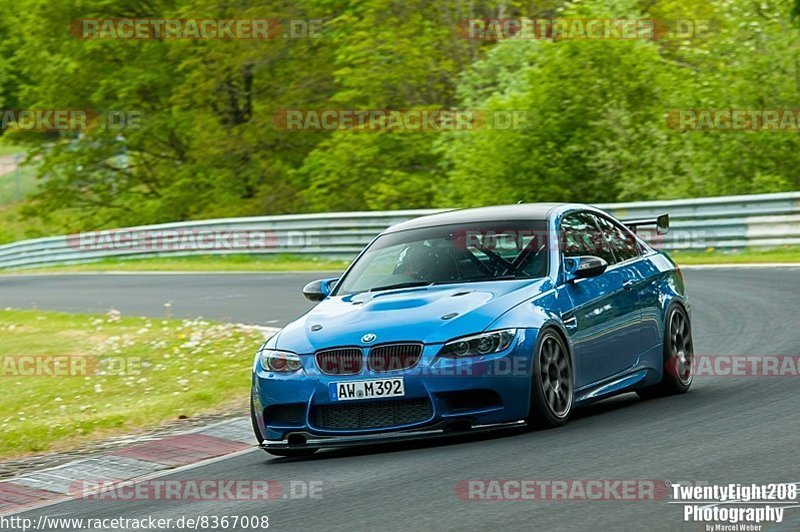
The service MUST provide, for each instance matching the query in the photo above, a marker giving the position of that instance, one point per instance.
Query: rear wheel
(552, 382)
(678, 357)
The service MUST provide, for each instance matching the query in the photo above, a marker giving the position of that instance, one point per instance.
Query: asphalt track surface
(254, 299)
(725, 430)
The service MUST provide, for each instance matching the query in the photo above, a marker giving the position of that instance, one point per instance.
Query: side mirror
(662, 224)
(583, 267)
(319, 289)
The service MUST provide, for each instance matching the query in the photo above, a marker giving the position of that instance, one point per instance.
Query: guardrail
(766, 220)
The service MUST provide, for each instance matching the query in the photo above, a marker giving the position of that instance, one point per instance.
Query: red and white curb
(142, 459)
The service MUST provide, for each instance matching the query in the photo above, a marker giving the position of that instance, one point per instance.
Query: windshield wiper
(488, 279)
(400, 285)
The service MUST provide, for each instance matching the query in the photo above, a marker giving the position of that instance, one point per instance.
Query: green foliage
(209, 146)
(365, 170)
(206, 145)
(597, 129)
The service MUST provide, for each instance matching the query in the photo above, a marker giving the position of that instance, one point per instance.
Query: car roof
(500, 213)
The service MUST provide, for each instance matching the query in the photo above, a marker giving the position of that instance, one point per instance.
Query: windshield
(482, 251)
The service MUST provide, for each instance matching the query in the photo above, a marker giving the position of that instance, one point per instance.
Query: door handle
(627, 285)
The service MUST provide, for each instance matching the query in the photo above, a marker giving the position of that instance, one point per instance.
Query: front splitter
(315, 441)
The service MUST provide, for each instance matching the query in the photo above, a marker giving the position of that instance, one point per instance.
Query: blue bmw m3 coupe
(473, 320)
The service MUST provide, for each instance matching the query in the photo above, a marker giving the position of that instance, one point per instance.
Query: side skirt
(625, 382)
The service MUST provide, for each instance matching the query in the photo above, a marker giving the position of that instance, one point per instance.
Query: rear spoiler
(661, 223)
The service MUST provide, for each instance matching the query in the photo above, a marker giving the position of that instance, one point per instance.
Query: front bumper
(465, 395)
(304, 440)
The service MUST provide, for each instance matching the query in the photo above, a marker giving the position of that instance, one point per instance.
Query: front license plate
(354, 390)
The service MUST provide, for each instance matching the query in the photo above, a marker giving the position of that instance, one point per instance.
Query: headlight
(280, 361)
(480, 344)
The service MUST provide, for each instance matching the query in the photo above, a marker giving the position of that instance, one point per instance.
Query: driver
(418, 261)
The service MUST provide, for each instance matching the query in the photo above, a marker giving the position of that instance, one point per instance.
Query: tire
(678, 357)
(552, 382)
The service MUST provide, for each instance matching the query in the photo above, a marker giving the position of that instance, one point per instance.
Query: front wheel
(551, 383)
(678, 357)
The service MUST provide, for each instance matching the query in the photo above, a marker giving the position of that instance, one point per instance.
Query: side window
(580, 235)
(622, 241)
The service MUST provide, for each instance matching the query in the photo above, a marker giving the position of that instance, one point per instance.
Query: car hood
(432, 314)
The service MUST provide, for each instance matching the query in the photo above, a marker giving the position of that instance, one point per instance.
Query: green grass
(128, 374)
(786, 254)
(200, 263)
